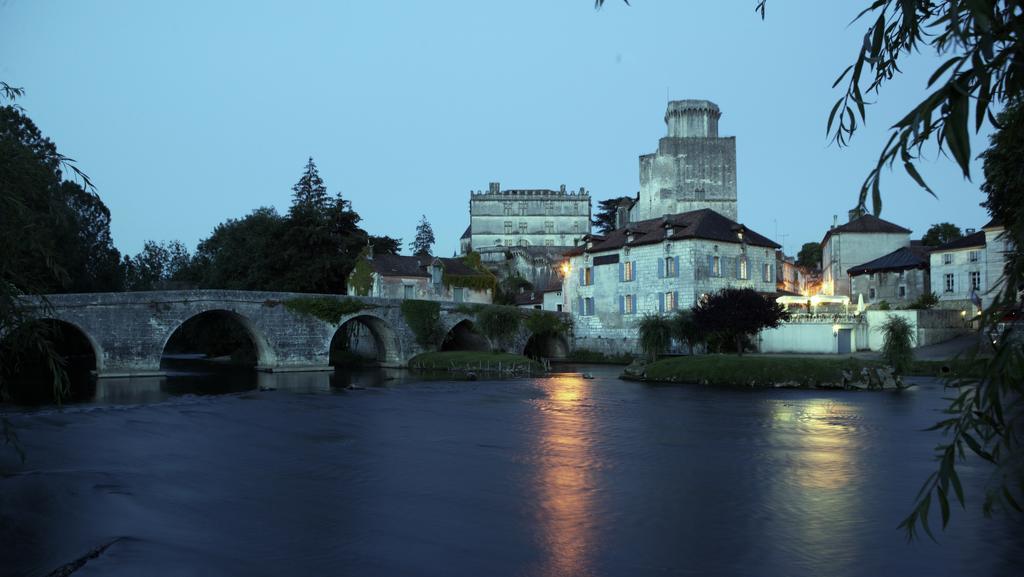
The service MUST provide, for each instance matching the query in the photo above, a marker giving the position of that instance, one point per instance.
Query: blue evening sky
(189, 113)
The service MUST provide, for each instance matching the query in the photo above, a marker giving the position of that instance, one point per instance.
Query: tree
(685, 328)
(897, 343)
(241, 254)
(809, 256)
(655, 332)
(604, 220)
(941, 234)
(309, 193)
(156, 265)
(386, 244)
(736, 314)
(423, 244)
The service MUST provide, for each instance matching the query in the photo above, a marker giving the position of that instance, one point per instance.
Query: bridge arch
(31, 380)
(386, 346)
(191, 326)
(462, 336)
(546, 345)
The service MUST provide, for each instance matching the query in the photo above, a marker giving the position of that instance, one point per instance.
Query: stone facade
(420, 278)
(693, 168)
(859, 241)
(898, 288)
(958, 269)
(608, 290)
(996, 248)
(535, 218)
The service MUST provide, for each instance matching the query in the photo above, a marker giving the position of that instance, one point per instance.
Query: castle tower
(693, 168)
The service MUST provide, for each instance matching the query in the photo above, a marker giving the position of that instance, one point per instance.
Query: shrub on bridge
(499, 323)
(326, 309)
(548, 323)
(424, 318)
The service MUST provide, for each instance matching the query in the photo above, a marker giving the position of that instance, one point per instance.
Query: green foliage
(361, 279)
(898, 343)
(472, 282)
(809, 256)
(499, 323)
(589, 356)
(884, 306)
(604, 217)
(941, 234)
(423, 244)
(737, 315)
(385, 244)
(326, 309)
(685, 329)
(156, 265)
(755, 371)
(655, 334)
(424, 318)
(925, 301)
(548, 323)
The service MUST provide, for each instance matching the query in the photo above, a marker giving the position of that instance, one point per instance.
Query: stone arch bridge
(129, 331)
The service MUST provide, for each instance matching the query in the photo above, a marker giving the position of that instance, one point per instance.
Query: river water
(558, 476)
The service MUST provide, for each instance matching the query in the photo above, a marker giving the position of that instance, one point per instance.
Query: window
(549, 242)
(522, 208)
(588, 306)
(881, 278)
(973, 255)
(458, 293)
(549, 227)
(435, 274)
(408, 291)
(628, 304)
(949, 282)
(743, 272)
(558, 307)
(903, 273)
(524, 242)
(976, 280)
(766, 275)
(903, 291)
(716, 266)
(628, 272)
(670, 266)
(670, 301)
(871, 293)
(947, 258)
(549, 207)
(587, 276)
(508, 209)
(508, 227)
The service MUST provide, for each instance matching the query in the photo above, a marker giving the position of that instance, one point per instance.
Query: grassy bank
(771, 371)
(594, 357)
(476, 361)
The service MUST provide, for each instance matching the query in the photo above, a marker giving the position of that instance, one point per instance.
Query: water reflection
(565, 477)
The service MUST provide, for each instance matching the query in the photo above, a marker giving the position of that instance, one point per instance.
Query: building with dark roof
(861, 240)
(659, 265)
(959, 269)
(898, 278)
(422, 278)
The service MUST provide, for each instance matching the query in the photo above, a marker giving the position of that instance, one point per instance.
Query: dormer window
(436, 273)
(669, 231)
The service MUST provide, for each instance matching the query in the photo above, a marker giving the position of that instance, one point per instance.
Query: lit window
(629, 304)
(627, 271)
(743, 273)
(716, 266)
(670, 266)
(949, 283)
(588, 276)
(670, 301)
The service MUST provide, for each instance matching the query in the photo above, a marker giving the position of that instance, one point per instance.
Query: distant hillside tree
(309, 192)
(604, 219)
(386, 244)
(423, 244)
(941, 234)
(809, 256)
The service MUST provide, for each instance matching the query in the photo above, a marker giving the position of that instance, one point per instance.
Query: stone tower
(694, 168)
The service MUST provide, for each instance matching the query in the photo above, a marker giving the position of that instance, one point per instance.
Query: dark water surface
(548, 477)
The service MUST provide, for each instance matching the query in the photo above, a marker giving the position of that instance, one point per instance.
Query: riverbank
(475, 361)
(778, 371)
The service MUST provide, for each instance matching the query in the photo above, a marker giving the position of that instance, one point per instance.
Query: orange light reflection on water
(565, 477)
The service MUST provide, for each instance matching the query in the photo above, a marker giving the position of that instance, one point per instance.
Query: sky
(186, 114)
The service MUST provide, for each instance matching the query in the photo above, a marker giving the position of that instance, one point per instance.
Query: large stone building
(898, 278)
(693, 168)
(861, 240)
(658, 266)
(508, 218)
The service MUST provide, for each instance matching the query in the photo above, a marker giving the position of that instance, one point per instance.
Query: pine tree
(310, 192)
(424, 241)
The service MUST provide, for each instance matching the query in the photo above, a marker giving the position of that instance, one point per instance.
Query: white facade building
(959, 269)
(658, 266)
(422, 278)
(997, 246)
(857, 242)
(525, 218)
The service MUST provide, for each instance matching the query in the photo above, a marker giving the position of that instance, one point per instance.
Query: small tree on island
(423, 244)
(655, 333)
(898, 343)
(736, 314)
(685, 328)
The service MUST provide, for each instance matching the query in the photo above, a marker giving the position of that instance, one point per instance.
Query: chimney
(835, 220)
(561, 189)
(494, 188)
(970, 231)
(621, 216)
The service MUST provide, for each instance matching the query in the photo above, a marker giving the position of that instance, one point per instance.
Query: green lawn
(473, 360)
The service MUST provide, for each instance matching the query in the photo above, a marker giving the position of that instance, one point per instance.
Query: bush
(548, 323)
(685, 329)
(884, 306)
(737, 314)
(925, 301)
(424, 318)
(499, 323)
(327, 309)
(655, 335)
(897, 347)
